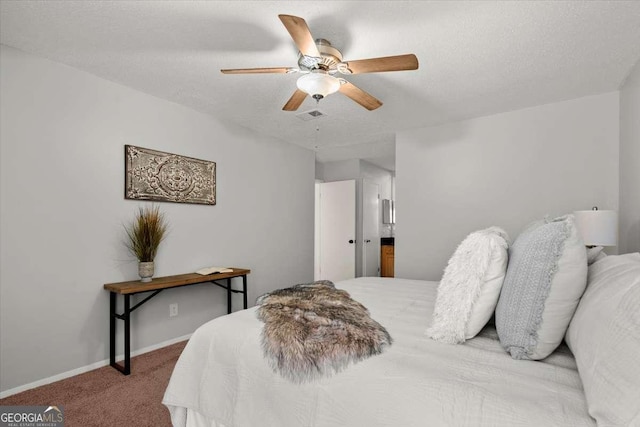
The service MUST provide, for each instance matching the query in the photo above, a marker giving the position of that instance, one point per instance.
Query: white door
(370, 229)
(337, 230)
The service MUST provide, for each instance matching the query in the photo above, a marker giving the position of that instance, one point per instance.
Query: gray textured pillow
(546, 276)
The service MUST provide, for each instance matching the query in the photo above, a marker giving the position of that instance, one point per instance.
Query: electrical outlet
(173, 310)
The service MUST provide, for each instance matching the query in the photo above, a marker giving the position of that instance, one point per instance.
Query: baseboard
(88, 368)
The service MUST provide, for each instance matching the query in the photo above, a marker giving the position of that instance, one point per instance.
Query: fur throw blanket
(314, 330)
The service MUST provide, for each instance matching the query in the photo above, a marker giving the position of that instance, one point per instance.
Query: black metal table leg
(244, 290)
(229, 295)
(127, 336)
(126, 315)
(124, 368)
(112, 328)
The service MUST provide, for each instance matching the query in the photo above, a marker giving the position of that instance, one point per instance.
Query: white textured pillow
(545, 279)
(604, 336)
(470, 286)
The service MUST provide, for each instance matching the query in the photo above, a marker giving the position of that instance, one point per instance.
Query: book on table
(212, 270)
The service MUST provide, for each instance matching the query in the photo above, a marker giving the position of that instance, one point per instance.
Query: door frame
(360, 223)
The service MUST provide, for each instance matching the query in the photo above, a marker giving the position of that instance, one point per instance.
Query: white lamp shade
(318, 84)
(598, 228)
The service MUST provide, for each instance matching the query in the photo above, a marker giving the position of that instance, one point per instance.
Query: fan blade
(278, 70)
(387, 63)
(295, 101)
(300, 34)
(360, 96)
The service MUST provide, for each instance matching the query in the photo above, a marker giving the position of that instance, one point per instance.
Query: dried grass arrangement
(145, 233)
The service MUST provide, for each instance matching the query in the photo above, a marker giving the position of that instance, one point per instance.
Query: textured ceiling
(476, 58)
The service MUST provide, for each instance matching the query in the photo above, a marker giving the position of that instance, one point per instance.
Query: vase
(145, 270)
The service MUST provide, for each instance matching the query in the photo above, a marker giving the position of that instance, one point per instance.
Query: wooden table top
(136, 286)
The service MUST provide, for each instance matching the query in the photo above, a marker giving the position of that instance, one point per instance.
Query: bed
(223, 380)
(562, 351)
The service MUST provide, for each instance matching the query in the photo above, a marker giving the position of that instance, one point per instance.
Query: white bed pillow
(604, 336)
(470, 286)
(545, 279)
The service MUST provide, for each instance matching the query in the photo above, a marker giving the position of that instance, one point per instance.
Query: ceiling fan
(319, 62)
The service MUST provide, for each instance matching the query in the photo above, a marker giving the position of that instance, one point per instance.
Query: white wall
(379, 176)
(506, 170)
(319, 170)
(339, 170)
(62, 210)
(356, 169)
(629, 226)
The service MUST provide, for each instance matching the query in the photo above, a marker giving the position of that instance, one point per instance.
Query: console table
(157, 285)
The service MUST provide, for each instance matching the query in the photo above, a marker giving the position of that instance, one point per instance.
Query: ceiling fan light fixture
(318, 84)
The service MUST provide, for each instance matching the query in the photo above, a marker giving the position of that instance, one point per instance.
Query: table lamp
(598, 229)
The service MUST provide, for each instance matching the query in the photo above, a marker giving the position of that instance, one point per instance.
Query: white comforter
(223, 380)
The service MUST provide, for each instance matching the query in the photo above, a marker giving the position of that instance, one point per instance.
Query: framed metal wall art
(166, 177)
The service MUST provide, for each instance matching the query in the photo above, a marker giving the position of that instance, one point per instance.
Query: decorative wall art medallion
(166, 177)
